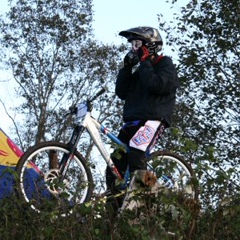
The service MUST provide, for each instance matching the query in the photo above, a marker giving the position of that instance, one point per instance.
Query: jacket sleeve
(123, 82)
(160, 79)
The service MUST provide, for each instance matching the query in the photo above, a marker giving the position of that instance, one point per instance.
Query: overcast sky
(110, 17)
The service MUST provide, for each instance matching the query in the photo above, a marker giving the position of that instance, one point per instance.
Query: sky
(110, 17)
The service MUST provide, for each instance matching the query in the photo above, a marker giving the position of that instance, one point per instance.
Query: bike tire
(177, 170)
(39, 183)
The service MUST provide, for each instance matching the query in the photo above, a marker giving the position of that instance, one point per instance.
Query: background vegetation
(55, 61)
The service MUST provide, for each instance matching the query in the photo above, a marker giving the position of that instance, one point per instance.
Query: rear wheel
(174, 173)
(42, 185)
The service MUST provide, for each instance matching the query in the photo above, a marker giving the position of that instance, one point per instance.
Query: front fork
(64, 162)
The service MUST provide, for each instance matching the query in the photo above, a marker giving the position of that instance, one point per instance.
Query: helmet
(150, 37)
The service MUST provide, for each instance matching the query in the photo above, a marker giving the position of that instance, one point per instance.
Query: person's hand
(131, 59)
(143, 53)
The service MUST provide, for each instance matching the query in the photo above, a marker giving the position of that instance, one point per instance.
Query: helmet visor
(136, 44)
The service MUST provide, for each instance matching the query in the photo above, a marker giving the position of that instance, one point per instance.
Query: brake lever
(72, 110)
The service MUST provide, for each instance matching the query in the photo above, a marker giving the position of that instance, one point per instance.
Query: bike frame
(94, 128)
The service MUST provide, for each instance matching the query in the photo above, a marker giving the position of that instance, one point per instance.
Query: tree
(206, 38)
(55, 62)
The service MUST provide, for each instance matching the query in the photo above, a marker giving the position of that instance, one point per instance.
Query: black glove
(131, 59)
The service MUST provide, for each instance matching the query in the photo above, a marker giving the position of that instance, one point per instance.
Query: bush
(174, 218)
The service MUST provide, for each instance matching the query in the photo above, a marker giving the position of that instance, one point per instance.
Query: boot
(142, 182)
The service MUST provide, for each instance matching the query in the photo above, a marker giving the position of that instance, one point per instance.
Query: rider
(147, 83)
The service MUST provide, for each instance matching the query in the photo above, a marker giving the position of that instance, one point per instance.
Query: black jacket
(149, 92)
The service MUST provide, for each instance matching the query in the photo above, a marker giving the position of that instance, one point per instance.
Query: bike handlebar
(73, 109)
(98, 94)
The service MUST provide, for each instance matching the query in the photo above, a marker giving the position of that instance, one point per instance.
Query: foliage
(206, 37)
(55, 63)
(176, 219)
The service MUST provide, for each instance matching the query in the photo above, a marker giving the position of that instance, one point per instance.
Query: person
(147, 83)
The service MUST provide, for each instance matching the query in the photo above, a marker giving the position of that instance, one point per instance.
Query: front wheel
(44, 185)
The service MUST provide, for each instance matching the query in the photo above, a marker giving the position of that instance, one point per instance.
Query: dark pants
(136, 159)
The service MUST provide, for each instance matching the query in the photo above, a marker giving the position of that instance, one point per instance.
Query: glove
(143, 53)
(131, 59)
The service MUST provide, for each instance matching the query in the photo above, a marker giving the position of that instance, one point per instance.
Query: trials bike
(55, 176)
